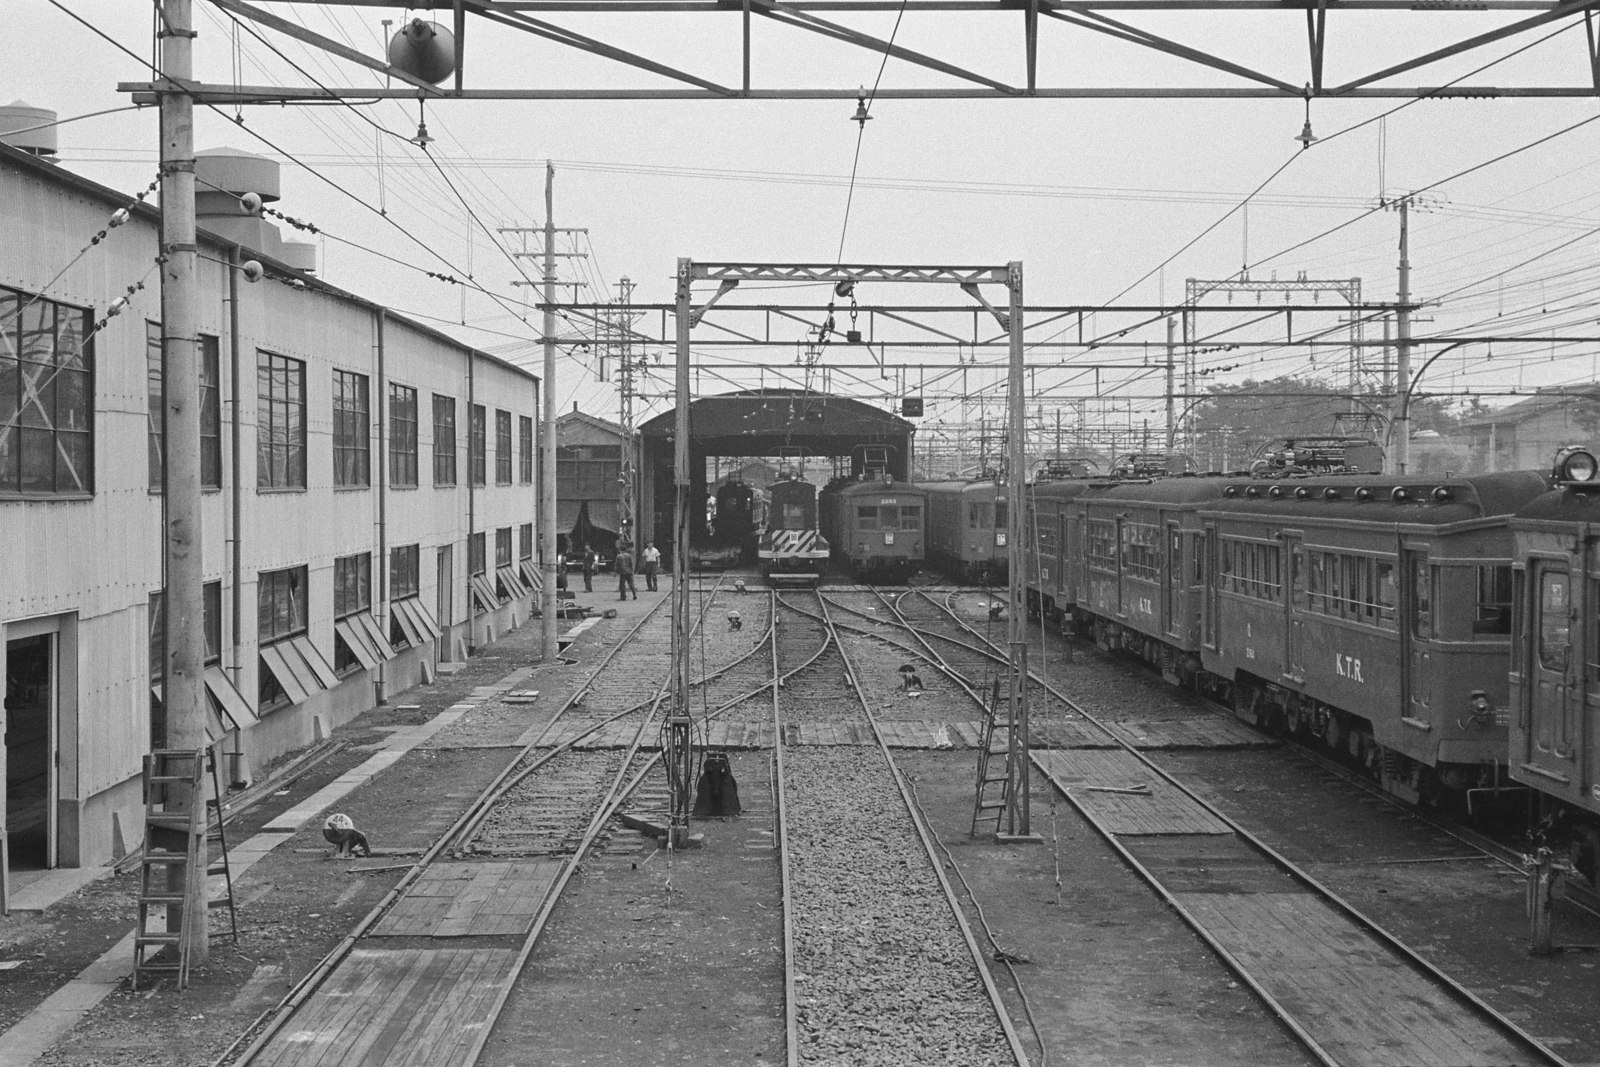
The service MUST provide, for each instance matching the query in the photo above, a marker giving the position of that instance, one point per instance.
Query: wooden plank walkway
(1349, 991)
(1086, 774)
(395, 1008)
(1209, 732)
(480, 899)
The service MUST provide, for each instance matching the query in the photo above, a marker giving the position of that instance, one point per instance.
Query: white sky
(1090, 195)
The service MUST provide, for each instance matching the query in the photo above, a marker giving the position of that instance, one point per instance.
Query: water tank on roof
(20, 116)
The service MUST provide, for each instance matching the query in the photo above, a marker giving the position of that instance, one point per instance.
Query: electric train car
(739, 513)
(1052, 528)
(1372, 613)
(876, 525)
(1554, 696)
(792, 544)
(967, 529)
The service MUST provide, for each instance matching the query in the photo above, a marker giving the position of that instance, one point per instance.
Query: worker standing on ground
(589, 561)
(625, 571)
(652, 564)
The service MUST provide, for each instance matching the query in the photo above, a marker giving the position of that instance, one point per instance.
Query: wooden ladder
(996, 741)
(167, 821)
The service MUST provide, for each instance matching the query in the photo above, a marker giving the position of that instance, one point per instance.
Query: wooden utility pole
(1018, 825)
(183, 673)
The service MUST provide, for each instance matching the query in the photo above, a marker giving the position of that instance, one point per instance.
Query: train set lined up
(1439, 632)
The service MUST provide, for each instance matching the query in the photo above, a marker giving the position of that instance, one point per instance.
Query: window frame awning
(479, 584)
(531, 575)
(512, 580)
(226, 708)
(415, 620)
(365, 638)
(300, 668)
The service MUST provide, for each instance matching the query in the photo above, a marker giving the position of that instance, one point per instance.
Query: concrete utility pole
(1402, 318)
(184, 691)
(548, 561)
(680, 755)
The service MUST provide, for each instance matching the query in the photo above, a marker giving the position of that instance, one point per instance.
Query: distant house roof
(591, 420)
(1534, 405)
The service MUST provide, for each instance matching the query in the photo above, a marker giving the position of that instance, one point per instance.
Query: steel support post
(680, 758)
(1018, 821)
(1402, 317)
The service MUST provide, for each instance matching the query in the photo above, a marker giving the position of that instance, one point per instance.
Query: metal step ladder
(996, 741)
(177, 837)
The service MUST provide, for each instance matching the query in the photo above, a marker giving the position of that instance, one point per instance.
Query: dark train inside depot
(733, 524)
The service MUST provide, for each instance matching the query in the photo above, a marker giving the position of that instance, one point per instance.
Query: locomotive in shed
(739, 514)
(792, 541)
(967, 529)
(875, 525)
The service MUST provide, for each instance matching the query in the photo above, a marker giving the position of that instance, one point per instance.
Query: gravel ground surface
(882, 974)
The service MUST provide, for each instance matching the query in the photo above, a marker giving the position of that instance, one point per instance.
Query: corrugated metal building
(369, 507)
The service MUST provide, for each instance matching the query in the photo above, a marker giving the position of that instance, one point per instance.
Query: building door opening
(29, 745)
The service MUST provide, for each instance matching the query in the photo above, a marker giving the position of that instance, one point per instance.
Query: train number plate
(888, 538)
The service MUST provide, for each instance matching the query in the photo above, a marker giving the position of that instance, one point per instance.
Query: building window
(211, 615)
(210, 409)
(281, 600)
(502, 547)
(46, 397)
(525, 548)
(405, 572)
(352, 584)
(352, 595)
(444, 440)
(352, 459)
(280, 422)
(477, 442)
(525, 431)
(402, 435)
(502, 447)
(476, 562)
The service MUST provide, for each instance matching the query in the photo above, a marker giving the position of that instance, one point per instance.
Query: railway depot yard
(815, 927)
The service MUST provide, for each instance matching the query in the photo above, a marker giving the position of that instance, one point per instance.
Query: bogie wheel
(1333, 731)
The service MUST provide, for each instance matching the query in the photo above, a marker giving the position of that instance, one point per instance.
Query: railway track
(1350, 992)
(522, 838)
(881, 966)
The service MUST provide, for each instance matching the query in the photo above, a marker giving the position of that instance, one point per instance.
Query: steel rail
(780, 797)
(274, 1017)
(1284, 1014)
(277, 1016)
(924, 835)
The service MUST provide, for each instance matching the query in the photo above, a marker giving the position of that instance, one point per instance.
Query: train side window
(910, 517)
(867, 518)
(1554, 597)
(1297, 577)
(1594, 636)
(1386, 589)
(1494, 601)
(1422, 593)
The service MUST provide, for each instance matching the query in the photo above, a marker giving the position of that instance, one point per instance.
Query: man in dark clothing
(589, 561)
(625, 572)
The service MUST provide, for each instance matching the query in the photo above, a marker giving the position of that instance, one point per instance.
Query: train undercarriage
(1457, 788)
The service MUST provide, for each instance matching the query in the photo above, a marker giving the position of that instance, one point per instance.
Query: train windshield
(1553, 622)
(793, 518)
(910, 517)
(1000, 517)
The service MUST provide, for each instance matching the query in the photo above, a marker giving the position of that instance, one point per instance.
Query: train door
(1172, 589)
(1550, 665)
(1124, 595)
(1293, 627)
(1209, 580)
(1416, 639)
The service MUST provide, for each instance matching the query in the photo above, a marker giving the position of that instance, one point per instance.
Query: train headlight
(1480, 712)
(1576, 465)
